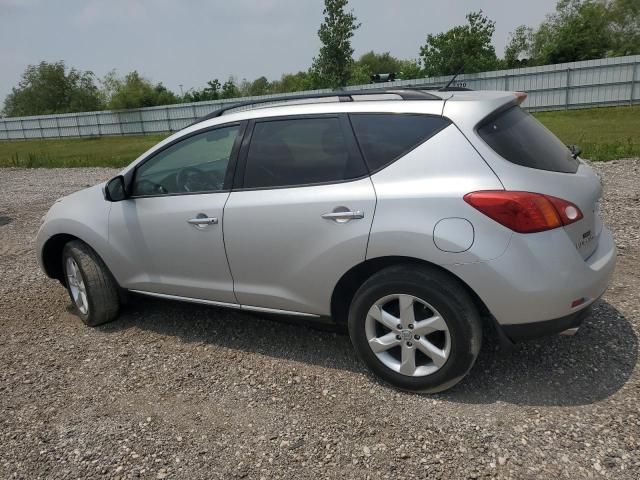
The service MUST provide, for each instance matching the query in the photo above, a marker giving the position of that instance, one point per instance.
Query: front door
(169, 233)
(301, 215)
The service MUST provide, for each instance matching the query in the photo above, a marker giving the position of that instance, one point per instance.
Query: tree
(48, 88)
(516, 53)
(624, 17)
(211, 92)
(372, 63)
(578, 30)
(260, 86)
(135, 91)
(332, 67)
(467, 46)
(292, 82)
(230, 89)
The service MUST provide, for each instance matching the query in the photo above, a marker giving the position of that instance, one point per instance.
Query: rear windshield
(521, 139)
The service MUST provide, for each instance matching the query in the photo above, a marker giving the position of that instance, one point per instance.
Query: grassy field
(75, 152)
(603, 134)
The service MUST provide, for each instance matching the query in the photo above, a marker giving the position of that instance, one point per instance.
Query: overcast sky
(191, 41)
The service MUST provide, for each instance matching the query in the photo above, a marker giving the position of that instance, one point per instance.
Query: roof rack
(343, 96)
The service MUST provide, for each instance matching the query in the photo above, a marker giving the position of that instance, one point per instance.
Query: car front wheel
(92, 289)
(416, 328)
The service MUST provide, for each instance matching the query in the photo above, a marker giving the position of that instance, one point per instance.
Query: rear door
(537, 161)
(301, 213)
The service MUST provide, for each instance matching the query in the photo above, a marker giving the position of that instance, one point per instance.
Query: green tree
(260, 86)
(230, 89)
(517, 51)
(48, 88)
(332, 67)
(211, 92)
(292, 82)
(624, 25)
(135, 91)
(410, 69)
(468, 46)
(578, 30)
(371, 63)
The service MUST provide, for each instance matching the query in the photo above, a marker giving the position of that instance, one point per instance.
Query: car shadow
(556, 370)
(552, 371)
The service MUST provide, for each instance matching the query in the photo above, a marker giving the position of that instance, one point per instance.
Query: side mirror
(114, 190)
(575, 150)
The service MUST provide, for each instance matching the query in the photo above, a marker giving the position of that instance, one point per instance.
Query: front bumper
(537, 279)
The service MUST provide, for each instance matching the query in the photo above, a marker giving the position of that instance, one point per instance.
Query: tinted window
(298, 152)
(196, 164)
(386, 137)
(518, 137)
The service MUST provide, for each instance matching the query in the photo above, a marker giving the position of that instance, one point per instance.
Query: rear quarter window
(519, 138)
(385, 137)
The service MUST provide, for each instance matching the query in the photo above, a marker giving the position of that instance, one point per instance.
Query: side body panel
(156, 250)
(426, 186)
(84, 215)
(283, 254)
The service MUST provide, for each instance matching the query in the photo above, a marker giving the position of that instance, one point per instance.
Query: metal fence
(591, 83)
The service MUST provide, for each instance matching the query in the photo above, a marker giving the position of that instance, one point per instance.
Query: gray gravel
(183, 391)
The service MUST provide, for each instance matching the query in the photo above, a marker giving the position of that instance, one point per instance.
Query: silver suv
(419, 219)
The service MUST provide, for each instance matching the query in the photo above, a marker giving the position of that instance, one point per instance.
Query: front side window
(298, 152)
(385, 137)
(195, 164)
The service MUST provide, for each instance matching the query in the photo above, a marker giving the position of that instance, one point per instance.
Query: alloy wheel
(76, 285)
(408, 335)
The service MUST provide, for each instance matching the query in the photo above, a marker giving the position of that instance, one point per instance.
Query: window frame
(231, 166)
(353, 150)
(447, 123)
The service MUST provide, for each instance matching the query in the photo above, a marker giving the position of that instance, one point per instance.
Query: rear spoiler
(520, 97)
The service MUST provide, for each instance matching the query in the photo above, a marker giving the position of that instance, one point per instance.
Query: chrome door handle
(201, 220)
(348, 215)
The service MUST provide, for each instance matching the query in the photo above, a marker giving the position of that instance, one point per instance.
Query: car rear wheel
(416, 328)
(92, 289)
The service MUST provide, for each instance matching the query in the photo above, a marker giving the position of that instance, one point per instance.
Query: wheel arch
(351, 280)
(51, 254)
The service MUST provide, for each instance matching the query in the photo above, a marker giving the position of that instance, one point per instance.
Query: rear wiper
(575, 150)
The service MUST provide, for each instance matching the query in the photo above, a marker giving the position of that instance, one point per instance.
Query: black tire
(102, 291)
(447, 296)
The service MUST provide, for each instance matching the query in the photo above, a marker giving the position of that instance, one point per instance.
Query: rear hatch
(539, 162)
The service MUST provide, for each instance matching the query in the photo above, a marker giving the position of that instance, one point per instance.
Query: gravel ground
(184, 391)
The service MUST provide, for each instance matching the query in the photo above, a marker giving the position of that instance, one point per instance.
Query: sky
(189, 42)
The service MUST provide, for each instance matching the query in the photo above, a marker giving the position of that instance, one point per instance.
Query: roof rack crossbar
(343, 96)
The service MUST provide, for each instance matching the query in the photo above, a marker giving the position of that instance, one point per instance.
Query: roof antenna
(455, 75)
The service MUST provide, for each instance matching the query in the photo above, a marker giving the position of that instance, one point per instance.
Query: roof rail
(343, 96)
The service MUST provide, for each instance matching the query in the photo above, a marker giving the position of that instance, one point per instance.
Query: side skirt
(226, 305)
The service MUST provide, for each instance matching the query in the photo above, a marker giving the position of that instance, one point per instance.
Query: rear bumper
(526, 331)
(537, 279)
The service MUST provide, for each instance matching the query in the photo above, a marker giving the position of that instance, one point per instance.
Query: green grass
(602, 133)
(75, 152)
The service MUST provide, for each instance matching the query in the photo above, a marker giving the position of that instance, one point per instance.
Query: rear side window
(384, 137)
(299, 152)
(521, 139)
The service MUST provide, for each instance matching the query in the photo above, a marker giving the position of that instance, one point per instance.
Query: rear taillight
(524, 212)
